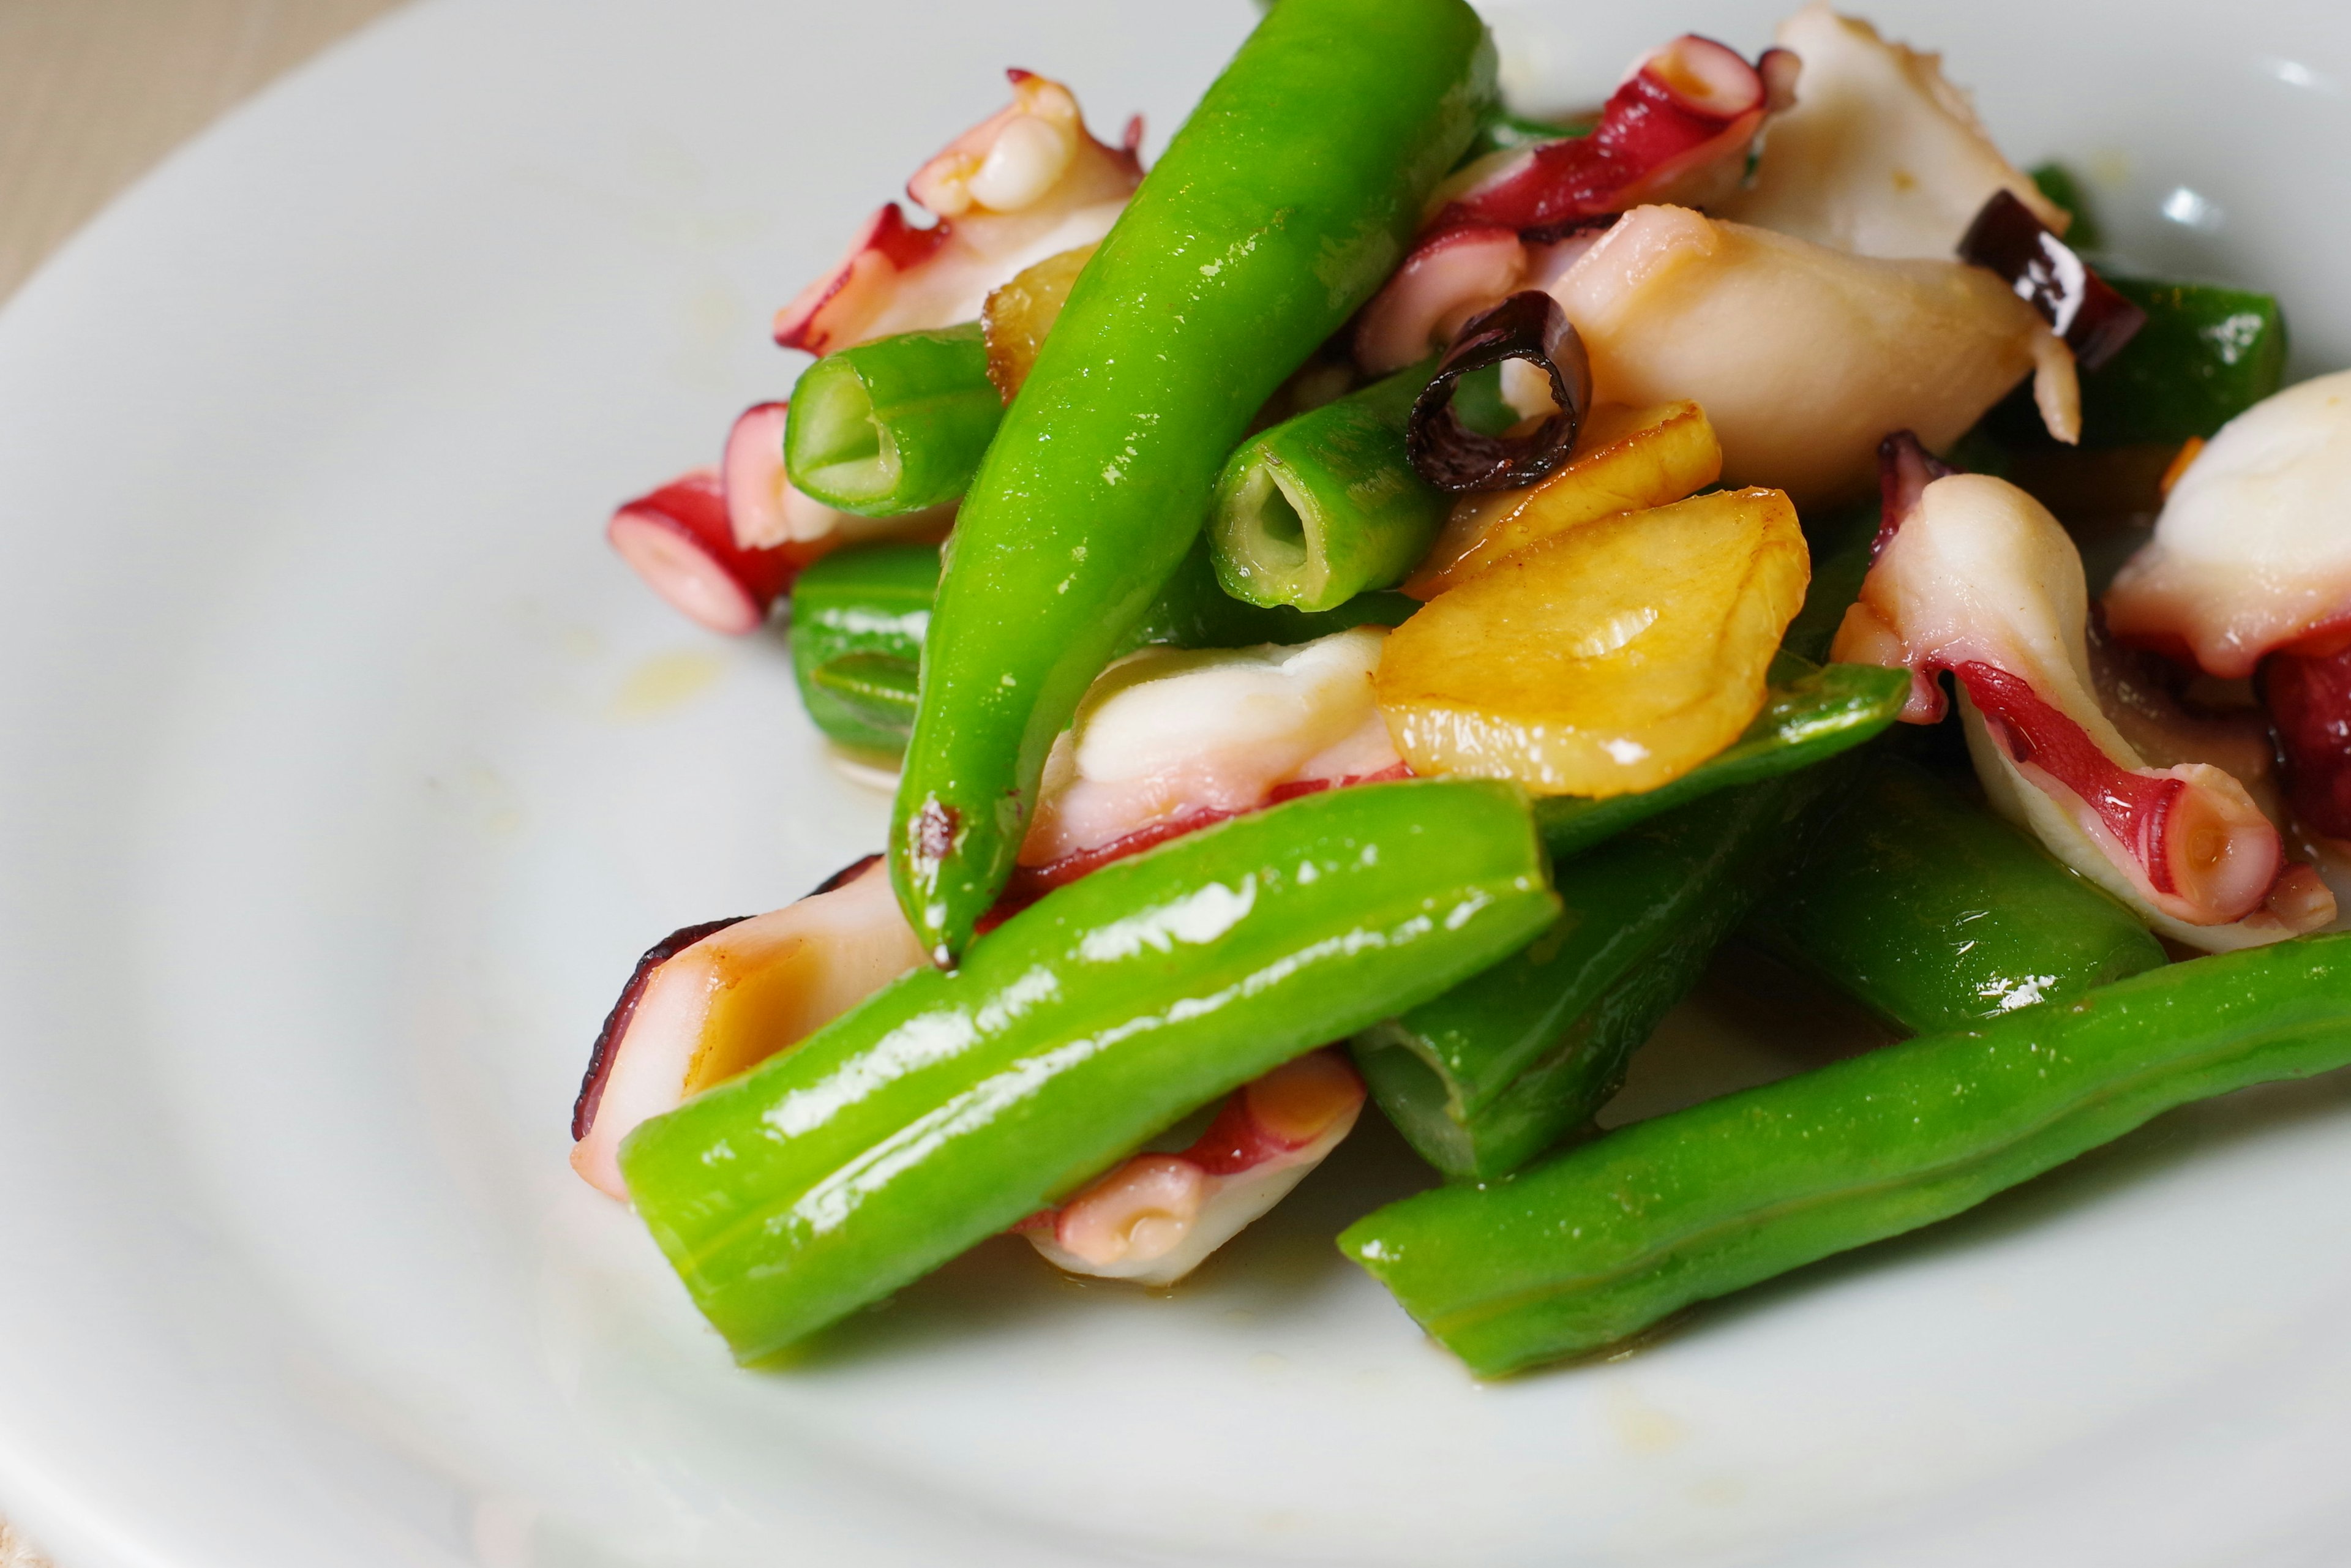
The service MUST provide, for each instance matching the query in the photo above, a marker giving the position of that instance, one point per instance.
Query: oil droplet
(1639, 1424)
(1267, 1364)
(665, 683)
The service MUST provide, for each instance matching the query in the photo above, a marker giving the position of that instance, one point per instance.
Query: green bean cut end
(835, 450)
(1269, 545)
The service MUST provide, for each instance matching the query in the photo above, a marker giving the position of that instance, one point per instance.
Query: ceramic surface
(343, 772)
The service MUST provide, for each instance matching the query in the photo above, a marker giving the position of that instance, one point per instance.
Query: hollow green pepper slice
(1327, 505)
(858, 617)
(1936, 914)
(1609, 1237)
(1810, 715)
(896, 426)
(1486, 1077)
(951, 1105)
(1281, 204)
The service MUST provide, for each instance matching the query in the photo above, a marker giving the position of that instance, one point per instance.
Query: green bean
(1605, 1240)
(1809, 715)
(896, 426)
(2205, 356)
(1489, 1075)
(1322, 506)
(951, 1105)
(859, 614)
(1936, 914)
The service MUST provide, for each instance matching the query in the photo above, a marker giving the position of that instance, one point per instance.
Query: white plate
(343, 772)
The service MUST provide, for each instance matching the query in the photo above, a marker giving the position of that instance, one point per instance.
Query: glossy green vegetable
(1607, 1239)
(2205, 356)
(1489, 1075)
(951, 1105)
(1810, 715)
(867, 603)
(1281, 205)
(1322, 506)
(858, 617)
(896, 426)
(1936, 914)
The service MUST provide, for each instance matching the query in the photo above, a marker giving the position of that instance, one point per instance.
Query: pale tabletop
(92, 94)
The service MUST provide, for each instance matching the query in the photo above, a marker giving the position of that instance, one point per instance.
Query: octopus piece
(1027, 182)
(765, 510)
(1156, 1216)
(1880, 156)
(680, 539)
(2250, 573)
(1974, 578)
(2250, 555)
(716, 999)
(762, 507)
(1168, 740)
(1678, 129)
(1802, 356)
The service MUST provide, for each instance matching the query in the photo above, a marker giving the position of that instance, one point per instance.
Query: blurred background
(93, 93)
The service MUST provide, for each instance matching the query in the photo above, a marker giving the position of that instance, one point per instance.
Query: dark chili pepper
(2082, 307)
(1605, 1240)
(1528, 325)
(2309, 700)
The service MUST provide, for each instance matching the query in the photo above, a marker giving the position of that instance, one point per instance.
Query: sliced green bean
(896, 426)
(1607, 1239)
(1325, 506)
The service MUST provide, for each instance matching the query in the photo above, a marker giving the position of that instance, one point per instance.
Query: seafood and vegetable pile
(1362, 611)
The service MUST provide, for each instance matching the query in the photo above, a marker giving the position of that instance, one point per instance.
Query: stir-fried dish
(1364, 609)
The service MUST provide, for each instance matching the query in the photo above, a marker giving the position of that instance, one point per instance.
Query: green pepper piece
(1489, 1075)
(1936, 914)
(1609, 1237)
(1808, 716)
(1327, 505)
(1280, 208)
(858, 617)
(951, 1105)
(896, 426)
(2205, 356)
